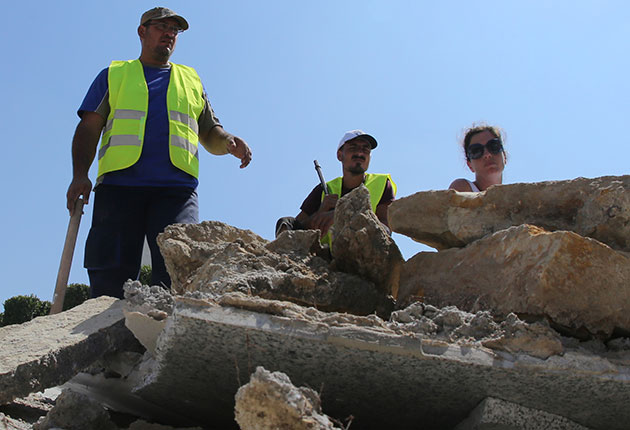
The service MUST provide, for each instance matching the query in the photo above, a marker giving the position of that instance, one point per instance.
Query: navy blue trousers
(121, 219)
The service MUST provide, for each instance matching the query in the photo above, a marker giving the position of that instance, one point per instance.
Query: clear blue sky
(290, 77)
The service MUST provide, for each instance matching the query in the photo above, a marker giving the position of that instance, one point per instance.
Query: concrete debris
(250, 265)
(575, 282)
(8, 423)
(270, 401)
(362, 246)
(494, 414)
(532, 311)
(74, 411)
(366, 365)
(48, 351)
(598, 208)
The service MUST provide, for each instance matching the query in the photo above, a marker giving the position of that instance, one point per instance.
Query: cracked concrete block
(50, 350)
(598, 208)
(384, 377)
(269, 401)
(496, 414)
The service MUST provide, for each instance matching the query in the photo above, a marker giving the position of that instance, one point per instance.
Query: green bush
(75, 295)
(20, 309)
(145, 275)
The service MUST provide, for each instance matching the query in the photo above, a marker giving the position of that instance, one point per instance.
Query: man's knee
(287, 223)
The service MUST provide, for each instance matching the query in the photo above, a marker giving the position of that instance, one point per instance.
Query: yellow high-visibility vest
(374, 182)
(123, 136)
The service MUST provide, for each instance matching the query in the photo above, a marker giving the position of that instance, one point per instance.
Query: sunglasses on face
(476, 150)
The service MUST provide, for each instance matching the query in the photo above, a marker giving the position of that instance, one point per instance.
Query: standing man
(151, 114)
(318, 210)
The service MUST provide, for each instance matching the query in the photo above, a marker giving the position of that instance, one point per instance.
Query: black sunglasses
(476, 150)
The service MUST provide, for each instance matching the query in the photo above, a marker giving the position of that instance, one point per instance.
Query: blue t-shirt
(154, 168)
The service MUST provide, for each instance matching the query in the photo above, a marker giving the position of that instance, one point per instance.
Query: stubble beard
(162, 53)
(356, 169)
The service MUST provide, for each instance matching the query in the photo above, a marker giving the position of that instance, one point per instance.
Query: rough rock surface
(364, 366)
(215, 258)
(361, 244)
(74, 411)
(598, 208)
(496, 414)
(270, 401)
(576, 282)
(48, 351)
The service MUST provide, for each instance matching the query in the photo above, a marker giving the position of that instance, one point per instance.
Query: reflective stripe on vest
(123, 135)
(374, 182)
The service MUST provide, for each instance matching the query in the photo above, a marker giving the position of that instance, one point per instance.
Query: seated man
(317, 211)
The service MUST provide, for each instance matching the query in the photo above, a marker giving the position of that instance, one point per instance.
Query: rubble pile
(517, 322)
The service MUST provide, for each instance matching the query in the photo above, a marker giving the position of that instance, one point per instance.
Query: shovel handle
(66, 258)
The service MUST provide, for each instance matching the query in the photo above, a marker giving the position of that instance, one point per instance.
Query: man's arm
(381, 214)
(84, 145)
(323, 218)
(219, 142)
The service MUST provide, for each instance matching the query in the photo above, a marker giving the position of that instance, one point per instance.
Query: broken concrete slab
(598, 208)
(270, 401)
(74, 411)
(50, 350)
(576, 282)
(213, 258)
(361, 245)
(496, 414)
(368, 370)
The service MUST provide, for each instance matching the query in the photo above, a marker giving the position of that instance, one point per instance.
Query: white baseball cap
(353, 134)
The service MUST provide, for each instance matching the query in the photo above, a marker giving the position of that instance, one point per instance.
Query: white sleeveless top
(473, 187)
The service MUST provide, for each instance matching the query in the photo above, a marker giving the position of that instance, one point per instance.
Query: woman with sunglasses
(485, 157)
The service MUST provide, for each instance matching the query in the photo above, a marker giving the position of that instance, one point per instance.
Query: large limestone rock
(598, 208)
(361, 244)
(270, 401)
(50, 350)
(576, 282)
(214, 258)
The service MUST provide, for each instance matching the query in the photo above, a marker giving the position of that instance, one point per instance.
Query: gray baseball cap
(161, 13)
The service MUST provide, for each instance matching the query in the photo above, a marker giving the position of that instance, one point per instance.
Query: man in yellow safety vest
(318, 209)
(151, 114)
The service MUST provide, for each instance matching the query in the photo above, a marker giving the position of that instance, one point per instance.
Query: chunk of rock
(598, 208)
(574, 281)
(186, 247)
(498, 414)
(242, 263)
(270, 401)
(74, 411)
(50, 350)
(361, 245)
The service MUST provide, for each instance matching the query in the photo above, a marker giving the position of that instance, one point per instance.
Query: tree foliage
(20, 309)
(145, 275)
(75, 295)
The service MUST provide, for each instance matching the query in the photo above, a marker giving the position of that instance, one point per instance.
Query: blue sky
(290, 77)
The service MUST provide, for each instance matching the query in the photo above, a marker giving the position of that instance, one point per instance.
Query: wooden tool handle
(66, 258)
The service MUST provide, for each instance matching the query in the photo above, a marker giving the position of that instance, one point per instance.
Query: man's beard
(162, 53)
(356, 169)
